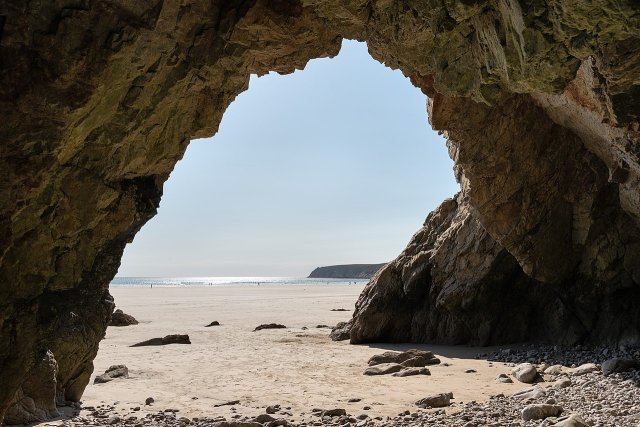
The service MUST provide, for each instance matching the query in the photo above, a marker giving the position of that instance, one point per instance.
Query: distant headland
(347, 271)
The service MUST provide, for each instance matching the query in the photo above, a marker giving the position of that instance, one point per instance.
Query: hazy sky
(334, 164)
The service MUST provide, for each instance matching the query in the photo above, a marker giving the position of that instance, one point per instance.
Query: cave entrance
(337, 165)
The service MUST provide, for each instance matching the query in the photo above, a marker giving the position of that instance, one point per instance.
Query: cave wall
(539, 101)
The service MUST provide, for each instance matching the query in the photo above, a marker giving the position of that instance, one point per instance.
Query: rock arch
(539, 102)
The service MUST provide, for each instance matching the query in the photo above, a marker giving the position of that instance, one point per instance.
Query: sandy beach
(293, 367)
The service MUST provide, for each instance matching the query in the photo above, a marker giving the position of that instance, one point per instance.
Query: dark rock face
(347, 271)
(539, 103)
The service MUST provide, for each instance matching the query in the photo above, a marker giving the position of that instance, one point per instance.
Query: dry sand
(301, 369)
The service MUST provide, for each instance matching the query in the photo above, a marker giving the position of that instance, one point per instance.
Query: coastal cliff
(539, 102)
(346, 271)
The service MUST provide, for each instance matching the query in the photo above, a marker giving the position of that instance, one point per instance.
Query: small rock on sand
(269, 326)
(440, 400)
(525, 373)
(115, 371)
(339, 309)
(272, 409)
(214, 323)
(504, 378)
(119, 318)
(408, 372)
(338, 412)
(263, 418)
(229, 403)
(420, 361)
(169, 339)
(149, 400)
(540, 411)
(383, 369)
(418, 356)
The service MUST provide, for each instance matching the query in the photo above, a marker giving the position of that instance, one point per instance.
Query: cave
(539, 102)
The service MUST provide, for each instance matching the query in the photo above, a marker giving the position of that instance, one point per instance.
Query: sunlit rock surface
(539, 102)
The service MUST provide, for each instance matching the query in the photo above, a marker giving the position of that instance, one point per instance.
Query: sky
(333, 164)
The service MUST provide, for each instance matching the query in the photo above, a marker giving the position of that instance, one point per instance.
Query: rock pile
(439, 400)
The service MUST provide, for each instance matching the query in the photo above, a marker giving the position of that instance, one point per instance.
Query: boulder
(113, 372)
(525, 373)
(439, 400)
(412, 357)
(383, 369)
(420, 361)
(119, 318)
(263, 418)
(341, 331)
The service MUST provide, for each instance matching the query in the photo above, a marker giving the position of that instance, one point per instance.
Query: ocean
(222, 281)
